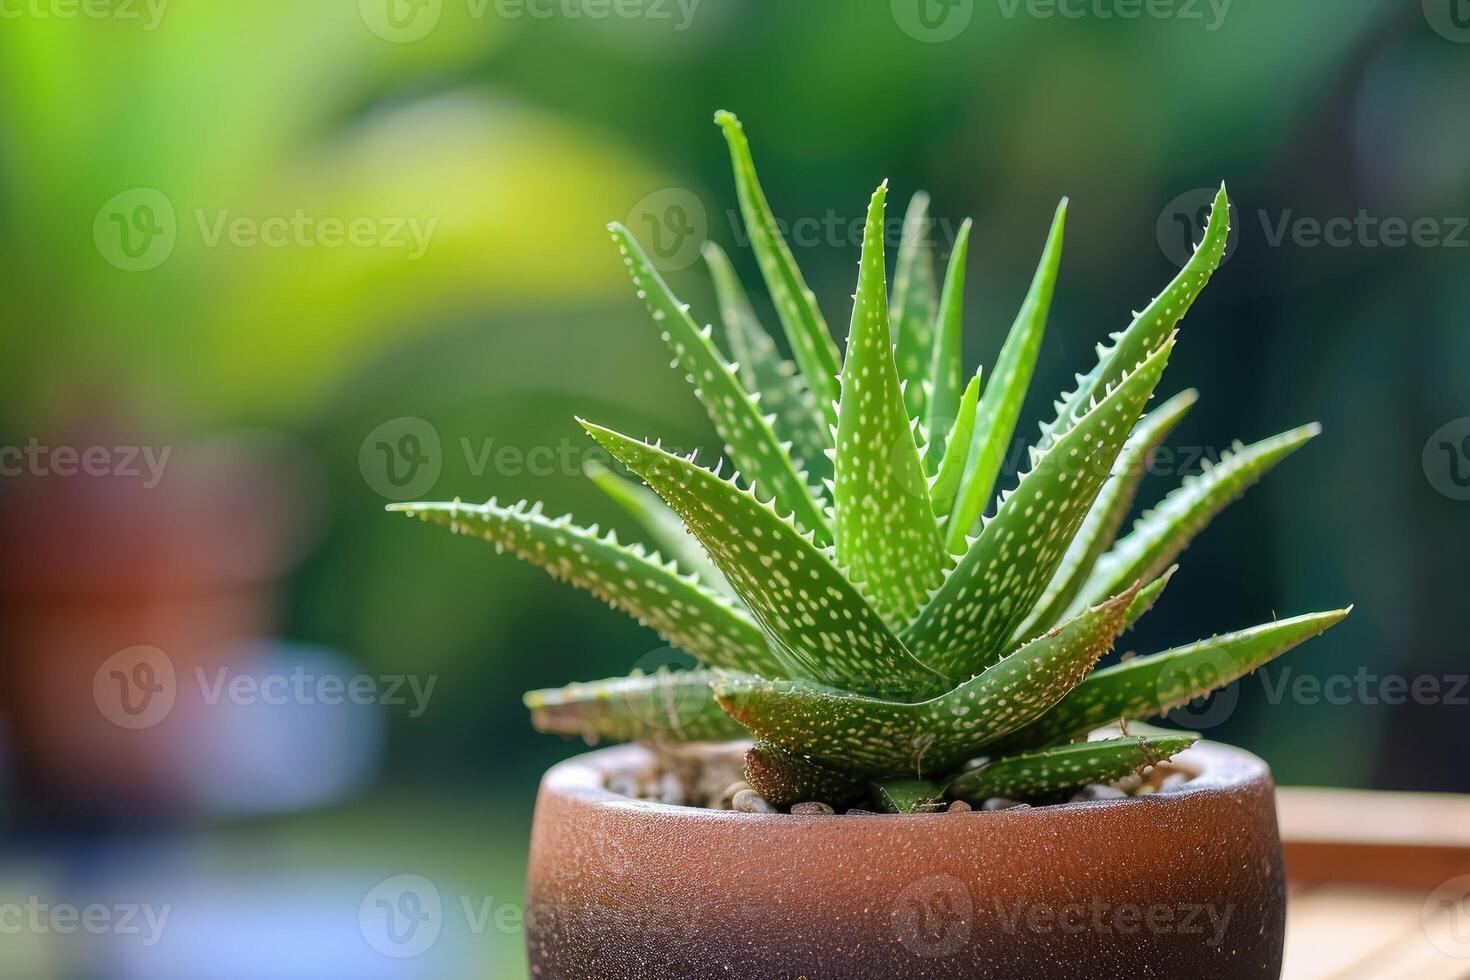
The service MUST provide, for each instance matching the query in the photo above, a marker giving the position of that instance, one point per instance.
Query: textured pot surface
(1185, 883)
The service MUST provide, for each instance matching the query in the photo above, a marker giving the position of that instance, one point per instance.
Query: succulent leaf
(664, 528)
(1147, 686)
(884, 523)
(669, 706)
(946, 377)
(914, 304)
(820, 626)
(1149, 328)
(876, 737)
(905, 794)
(796, 305)
(1162, 533)
(651, 590)
(952, 466)
(1000, 408)
(762, 369)
(1063, 767)
(784, 778)
(1146, 598)
(965, 626)
(746, 430)
(1114, 500)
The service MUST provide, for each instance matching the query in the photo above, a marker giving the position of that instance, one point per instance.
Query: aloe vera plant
(864, 605)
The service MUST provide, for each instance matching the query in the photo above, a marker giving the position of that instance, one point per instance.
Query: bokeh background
(268, 266)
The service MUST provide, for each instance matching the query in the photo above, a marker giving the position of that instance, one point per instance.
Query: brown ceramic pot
(1186, 883)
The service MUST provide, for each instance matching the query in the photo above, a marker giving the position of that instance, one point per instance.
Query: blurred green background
(272, 238)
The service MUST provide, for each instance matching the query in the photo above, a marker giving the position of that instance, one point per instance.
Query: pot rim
(1218, 767)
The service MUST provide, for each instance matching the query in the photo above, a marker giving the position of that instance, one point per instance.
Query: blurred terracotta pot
(1185, 883)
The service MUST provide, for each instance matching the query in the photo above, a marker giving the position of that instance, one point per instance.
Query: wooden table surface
(1380, 885)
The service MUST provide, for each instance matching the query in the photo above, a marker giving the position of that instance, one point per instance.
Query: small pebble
(727, 798)
(859, 811)
(749, 801)
(959, 806)
(1174, 779)
(812, 809)
(1097, 791)
(1001, 803)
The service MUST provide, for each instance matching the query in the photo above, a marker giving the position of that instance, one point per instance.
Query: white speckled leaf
(884, 526)
(783, 391)
(746, 430)
(946, 368)
(1113, 502)
(819, 625)
(947, 481)
(1161, 534)
(1148, 686)
(796, 305)
(915, 304)
(1065, 767)
(652, 591)
(1150, 327)
(669, 706)
(1005, 392)
(877, 737)
(665, 530)
(966, 625)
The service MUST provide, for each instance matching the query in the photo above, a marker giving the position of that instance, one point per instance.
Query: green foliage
(877, 645)
(887, 541)
(1006, 391)
(1064, 767)
(669, 706)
